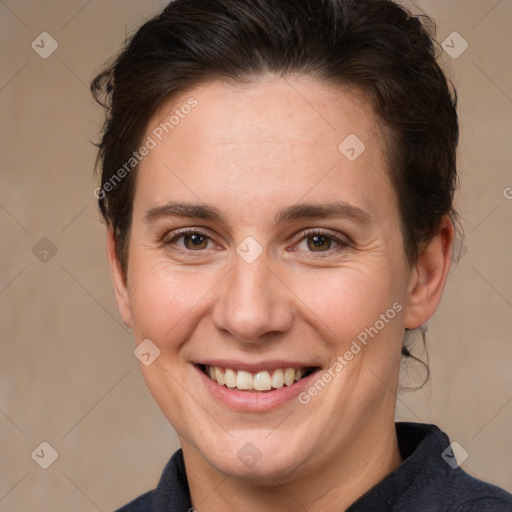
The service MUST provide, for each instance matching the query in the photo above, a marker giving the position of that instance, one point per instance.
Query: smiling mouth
(262, 381)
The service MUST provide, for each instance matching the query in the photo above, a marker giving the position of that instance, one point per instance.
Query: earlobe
(120, 286)
(428, 277)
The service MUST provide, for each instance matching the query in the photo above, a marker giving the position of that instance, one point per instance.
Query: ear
(120, 285)
(428, 277)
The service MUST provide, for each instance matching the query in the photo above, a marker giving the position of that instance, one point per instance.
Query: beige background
(67, 372)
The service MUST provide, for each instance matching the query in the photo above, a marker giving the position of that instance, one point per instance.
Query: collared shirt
(427, 480)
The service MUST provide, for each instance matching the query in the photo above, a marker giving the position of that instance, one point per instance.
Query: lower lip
(255, 401)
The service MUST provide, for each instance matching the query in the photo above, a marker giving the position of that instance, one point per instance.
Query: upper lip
(255, 366)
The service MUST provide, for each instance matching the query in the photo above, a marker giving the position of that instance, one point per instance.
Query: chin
(257, 458)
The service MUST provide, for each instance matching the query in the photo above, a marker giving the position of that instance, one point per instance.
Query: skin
(250, 151)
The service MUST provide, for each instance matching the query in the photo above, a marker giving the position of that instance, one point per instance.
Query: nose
(253, 303)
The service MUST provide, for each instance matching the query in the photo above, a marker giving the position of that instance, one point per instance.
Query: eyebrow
(338, 209)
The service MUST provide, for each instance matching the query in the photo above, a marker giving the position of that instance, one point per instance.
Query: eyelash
(341, 244)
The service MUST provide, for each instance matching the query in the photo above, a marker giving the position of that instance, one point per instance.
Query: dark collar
(424, 480)
(422, 467)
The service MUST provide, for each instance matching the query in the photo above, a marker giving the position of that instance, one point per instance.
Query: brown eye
(195, 241)
(190, 240)
(319, 243)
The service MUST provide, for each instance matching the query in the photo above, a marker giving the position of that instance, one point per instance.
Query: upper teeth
(260, 381)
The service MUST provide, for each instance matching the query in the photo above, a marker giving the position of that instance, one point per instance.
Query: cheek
(341, 304)
(165, 302)
(338, 304)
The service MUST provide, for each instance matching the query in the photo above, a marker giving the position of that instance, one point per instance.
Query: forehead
(271, 109)
(262, 142)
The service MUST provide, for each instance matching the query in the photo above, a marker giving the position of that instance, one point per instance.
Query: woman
(277, 182)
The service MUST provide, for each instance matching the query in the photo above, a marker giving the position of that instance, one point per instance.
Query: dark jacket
(428, 480)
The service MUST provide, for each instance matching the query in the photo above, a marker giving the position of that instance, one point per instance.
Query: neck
(343, 478)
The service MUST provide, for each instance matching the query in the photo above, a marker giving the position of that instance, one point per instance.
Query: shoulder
(141, 504)
(431, 477)
(473, 495)
(171, 494)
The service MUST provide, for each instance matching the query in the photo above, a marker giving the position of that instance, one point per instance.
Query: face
(265, 237)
